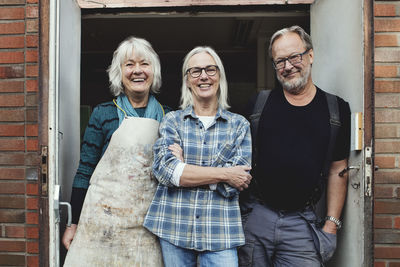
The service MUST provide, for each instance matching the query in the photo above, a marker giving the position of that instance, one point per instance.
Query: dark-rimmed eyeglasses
(293, 60)
(210, 70)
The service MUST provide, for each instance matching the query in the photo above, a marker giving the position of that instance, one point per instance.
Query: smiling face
(293, 78)
(137, 76)
(203, 88)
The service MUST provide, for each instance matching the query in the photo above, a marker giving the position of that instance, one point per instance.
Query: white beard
(296, 86)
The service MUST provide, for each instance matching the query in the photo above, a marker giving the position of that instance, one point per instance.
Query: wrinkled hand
(69, 235)
(239, 177)
(177, 151)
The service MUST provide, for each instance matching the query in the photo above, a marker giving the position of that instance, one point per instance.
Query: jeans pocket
(327, 243)
(245, 254)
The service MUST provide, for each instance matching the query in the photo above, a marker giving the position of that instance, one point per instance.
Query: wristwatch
(336, 221)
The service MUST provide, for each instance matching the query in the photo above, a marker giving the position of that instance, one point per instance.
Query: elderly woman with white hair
(113, 188)
(201, 161)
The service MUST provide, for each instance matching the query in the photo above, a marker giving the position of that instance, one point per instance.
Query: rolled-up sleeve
(164, 161)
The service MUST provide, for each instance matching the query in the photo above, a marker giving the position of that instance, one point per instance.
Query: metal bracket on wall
(43, 170)
(368, 171)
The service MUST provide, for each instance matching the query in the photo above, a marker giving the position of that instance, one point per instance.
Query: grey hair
(305, 37)
(126, 48)
(222, 94)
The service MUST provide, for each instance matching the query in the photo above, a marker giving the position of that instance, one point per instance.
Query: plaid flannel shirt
(199, 218)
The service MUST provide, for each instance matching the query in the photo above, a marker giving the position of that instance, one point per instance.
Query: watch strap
(334, 220)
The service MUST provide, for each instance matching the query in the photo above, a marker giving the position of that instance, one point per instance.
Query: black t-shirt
(292, 146)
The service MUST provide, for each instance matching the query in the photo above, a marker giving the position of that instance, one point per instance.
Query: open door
(337, 30)
(64, 102)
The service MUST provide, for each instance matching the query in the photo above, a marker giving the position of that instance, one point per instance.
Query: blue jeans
(174, 256)
(275, 238)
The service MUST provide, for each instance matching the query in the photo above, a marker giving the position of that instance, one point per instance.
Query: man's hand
(239, 177)
(330, 227)
(69, 235)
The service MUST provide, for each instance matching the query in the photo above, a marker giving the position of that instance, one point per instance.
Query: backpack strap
(335, 124)
(255, 119)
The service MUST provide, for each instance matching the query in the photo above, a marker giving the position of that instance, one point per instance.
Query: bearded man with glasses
(302, 142)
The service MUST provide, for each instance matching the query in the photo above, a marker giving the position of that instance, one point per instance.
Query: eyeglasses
(293, 60)
(195, 72)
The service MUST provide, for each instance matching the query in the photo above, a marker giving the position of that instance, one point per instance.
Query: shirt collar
(189, 111)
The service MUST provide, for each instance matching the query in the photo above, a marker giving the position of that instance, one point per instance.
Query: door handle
(57, 204)
(341, 174)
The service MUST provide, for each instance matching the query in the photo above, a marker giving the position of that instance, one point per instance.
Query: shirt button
(201, 127)
(197, 216)
(205, 143)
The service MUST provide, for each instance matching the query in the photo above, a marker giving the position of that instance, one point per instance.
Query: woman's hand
(177, 151)
(69, 235)
(239, 177)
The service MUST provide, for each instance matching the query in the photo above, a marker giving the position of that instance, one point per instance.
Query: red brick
(32, 25)
(32, 1)
(32, 189)
(379, 264)
(32, 41)
(387, 40)
(32, 56)
(12, 246)
(32, 86)
(12, 145)
(12, 188)
(387, 252)
(32, 232)
(392, 86)
(383, 191)
(32, 129)
(11, 86)
(387, 177)
(387, 207)
(12, 130)
(12, 2)
(32, 100)
(32, 203)
(397, 222)
(385, 71)
(12, 13)
(386, 131)
(384, 10)
(12, 202)
(32, 114)
(32, 70)
(14, 115)
(387, 55)
(385, 161)
(32, 159)
(15, 71)
(387, 100)
(12, 42)
(32, 145)
(12, 260)
(12, 158)
(12, 173)
(387, 115)
(12, 28)
(385, 236)
(12, 216)
(15, 231)
(386, 25)
(394, 264)
(387, 146)
(383, 222)
(32, 11)
(33, 261)
(32, 218)
(32, 247)
(12, 100)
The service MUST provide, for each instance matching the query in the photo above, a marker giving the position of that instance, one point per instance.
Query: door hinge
(368, 171)
(44, 170)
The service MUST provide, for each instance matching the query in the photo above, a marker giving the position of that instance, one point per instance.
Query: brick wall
(387, 133)
(19, 158)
